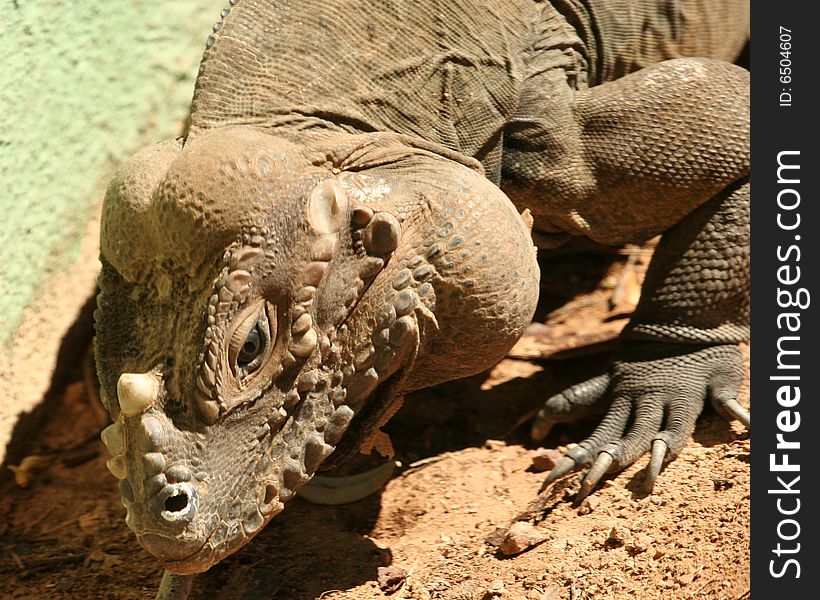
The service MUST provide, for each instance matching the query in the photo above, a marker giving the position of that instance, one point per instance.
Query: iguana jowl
(332, 233)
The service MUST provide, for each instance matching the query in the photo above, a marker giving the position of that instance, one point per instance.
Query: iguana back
(449, 72)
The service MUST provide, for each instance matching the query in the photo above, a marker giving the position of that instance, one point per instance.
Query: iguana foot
(658, 392)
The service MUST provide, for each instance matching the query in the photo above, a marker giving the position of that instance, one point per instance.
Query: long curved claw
(659, 449)
(734, 410)
(541, 427)
(562, 467)
(174, 587)
(593, 476)
(611, 427)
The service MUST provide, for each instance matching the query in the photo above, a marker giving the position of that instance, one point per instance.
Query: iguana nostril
(177, 503)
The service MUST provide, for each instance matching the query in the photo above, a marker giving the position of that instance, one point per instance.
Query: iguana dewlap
(332, 233)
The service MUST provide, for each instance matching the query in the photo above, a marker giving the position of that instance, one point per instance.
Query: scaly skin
(331, 234)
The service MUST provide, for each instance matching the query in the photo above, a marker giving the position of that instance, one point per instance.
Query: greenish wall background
(83, 85)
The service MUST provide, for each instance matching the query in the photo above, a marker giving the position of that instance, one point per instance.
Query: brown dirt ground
(467, 473)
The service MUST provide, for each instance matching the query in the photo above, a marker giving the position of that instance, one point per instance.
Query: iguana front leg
(662, 150)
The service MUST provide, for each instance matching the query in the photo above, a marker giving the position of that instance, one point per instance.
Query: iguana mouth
(202, 559)
(226, 537)
(198, 560)
(167, 549)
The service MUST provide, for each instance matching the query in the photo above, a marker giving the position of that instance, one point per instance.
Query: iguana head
(257, 293)
(234, 276)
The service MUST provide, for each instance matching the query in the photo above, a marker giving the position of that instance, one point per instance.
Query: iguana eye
(254, 346)
(249, 343)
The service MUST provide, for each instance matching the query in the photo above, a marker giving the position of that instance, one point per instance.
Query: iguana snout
(192, 494)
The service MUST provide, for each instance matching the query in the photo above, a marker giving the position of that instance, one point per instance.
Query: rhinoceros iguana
(340, 225)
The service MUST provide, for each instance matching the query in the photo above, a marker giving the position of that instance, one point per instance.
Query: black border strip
(785, 239)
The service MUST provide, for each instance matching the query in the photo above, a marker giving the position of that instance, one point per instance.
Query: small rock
(618, 536)
(722, 484)
(496, 538)
(544, 460)
(641, 543)
(391, 578)
(589, 504)
(494, 591)
(520, 536)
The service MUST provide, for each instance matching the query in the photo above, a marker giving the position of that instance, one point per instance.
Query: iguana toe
(585, 400)
(593, 476)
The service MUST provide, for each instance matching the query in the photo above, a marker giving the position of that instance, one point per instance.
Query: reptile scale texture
(350, 217)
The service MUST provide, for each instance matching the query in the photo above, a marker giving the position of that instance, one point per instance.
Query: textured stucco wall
(83, 85)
